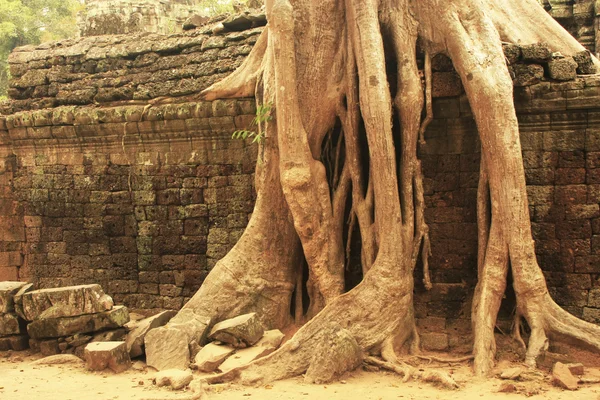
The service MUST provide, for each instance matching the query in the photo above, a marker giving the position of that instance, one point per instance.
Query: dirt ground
(19, 380)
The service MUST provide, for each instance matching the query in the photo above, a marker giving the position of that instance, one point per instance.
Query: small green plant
(263, 114)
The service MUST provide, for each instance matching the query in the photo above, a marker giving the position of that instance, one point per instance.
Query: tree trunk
(322, 61)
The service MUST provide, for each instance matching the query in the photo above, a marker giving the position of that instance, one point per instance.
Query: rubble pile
(65, 320)
(13, 333)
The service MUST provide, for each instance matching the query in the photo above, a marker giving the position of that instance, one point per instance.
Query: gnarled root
(406, 371)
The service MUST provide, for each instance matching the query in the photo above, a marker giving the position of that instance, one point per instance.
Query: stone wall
(114, 173)
(580, 18)
(113, 17)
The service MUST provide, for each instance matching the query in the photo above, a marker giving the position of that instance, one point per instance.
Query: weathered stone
(446, 84)
(562, 69)
(441, 63)
(211, 356)
(512, 52)
(193, 325)
(11, 324)
(135, 338)
(49, 347)
(176, 379)
(585, 63)
(8, 290)
(434, 341)
(527, 74)
(18, 299)
(78, 340)
(537, 52)
(102, 355)
(15, 342)
(562, 377)
(167, 348)
(335, 354)
(576, 368)
(507, 388)
(113, 335)
(195, 21)
(265, 346)
(241, 331)
(511, 373)
(67, 326)
(68, 301)
(58, 359)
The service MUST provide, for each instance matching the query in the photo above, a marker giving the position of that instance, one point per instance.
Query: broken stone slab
(265, 346)
(18, 299)
(8, 290)
(135, 338)
(11, 324)
(336, 353)
(68, 326)
(70, 301)
(101, 355)
(211, 356)
(193, 325)
(167, 348)
(175, 378)
(576, 368)
(241, 331)
(562, 377)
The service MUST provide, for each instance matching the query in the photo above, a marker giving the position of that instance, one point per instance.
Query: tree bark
(322, 61)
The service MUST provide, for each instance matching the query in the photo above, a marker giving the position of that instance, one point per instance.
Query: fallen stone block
(434, 341)
(49, 347)
(68, 326)
(265, 346)
(11, 324)
(562, 377)
(8, 289)
(242, 331)
(585, 63)
(576, 368)
(167, 348)
(211, 356)
(175, 378)
(68, 301)
(135, 338)
(101, 355)
(193, 325)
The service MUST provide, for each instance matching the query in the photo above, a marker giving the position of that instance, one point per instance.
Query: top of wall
(103, 70)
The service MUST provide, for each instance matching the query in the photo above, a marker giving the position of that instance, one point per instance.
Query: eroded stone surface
(242, 331)
(562, 377)
(67, 326)
(211, 356)
(102, 355)
(135, 338)
(67, 301)
(8, 289)
(167, 348)
(11, 324)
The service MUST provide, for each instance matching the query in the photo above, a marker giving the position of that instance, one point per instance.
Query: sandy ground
(19, 380)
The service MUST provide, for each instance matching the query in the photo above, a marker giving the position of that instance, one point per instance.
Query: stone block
(576, 368)
(241, 331)
(434, 341)
(102, 355)
(113, 335)
(562, 69)
(49, 347)
(67, 326)
(527, 74)
(167, 348)
(8, 290)
(211, 356)
(15, 342)
(562, 377)
(585, 63)
(537, 52)
(446, 84)
(65, 302)
(135, 338)
(11, 324)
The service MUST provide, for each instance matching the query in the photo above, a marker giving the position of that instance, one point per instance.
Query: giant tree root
(322, 64)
